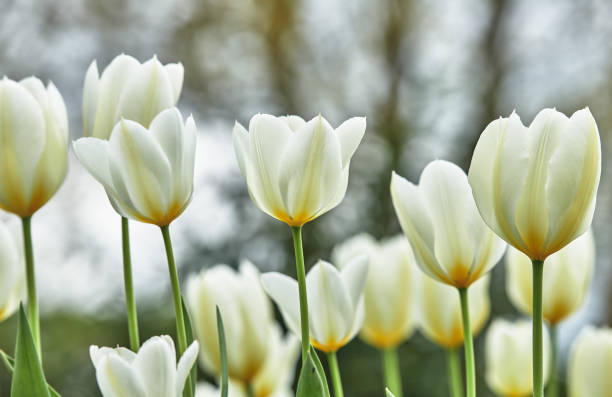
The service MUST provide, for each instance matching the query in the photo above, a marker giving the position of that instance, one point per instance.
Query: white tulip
(440, 310)
(335, 307)
(590, 363)
(388, 296)
(152, 372)
(567, 276)
(147, 174)
(12, 276)
(33, 143)
(535, 186)
(295, 170)
(450, 241)
(509, 358)
(247, 316)
(128, 90)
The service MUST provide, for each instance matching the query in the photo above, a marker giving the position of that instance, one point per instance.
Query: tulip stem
(334, 371)
(538, 363)
(391, 367)
(128, 282)
(553, 384)
(454, 373)
(178, 304)
(249, 390)
(468, 344)
(33, 316)
(301, 276)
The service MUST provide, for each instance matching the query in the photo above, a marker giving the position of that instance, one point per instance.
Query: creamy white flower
(567, 276)
(12, 275)
(509, 358)
(128, 90)
(152, 372)
(590, 362)
(536, 186)
(247, 316)
(147, 174)
(389, 293)
(295, 170)
(450, 241)
(335, 307)
(33, 144)
(440, 310)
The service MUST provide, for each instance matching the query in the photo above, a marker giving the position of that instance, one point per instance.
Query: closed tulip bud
(33, 142)
(12, 277)
(440, 310)
(147, 174)
(128, 90)
(388, 295)
(335, 307)
(151, 372)
(535, 186)
(247, 317)
(590, 363)
(567, 275)
(295, 170)
(450, 241)
(509, 358)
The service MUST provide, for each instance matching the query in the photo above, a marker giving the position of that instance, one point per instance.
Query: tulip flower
(388, 296)
(589, 364)
(128, 90)
(508, 358)
(33, 142)
(247, 316)
(450, 241)
(152, 372)
(535, 187)
(336, 310)
(12, 277)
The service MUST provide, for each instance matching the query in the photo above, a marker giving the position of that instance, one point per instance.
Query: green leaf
(311, 384)
(223, 351)
(388, 393)
(28, 377)
(9, 363)
(320, 370)
(193, 376)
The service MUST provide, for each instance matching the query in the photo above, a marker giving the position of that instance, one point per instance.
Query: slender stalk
(176, 294)
(391, 367)
(455, 385)
(249, 390)
(296, 231)
(468, 344)
(538, 362)
(334, 371)
(128, 282)
(552, 389)
(33, 316)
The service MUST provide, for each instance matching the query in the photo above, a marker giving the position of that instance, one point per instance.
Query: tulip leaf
(223, 352)
(311, 383)
(28, 377)
(388, 393)
(320, 370)
(9, 363)
(193, 375)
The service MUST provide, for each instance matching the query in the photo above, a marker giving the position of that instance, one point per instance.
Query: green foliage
(312, 382)
(223, 351)
(193, 376)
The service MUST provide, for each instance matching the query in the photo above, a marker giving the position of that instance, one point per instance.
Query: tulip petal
(116, 378)
(294, 122)
(155, 363)
(184, 366)
(350, 134)
(354, 276)
(91, 87)
(284, 291)
(175, 73)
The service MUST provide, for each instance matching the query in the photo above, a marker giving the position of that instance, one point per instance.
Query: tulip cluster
(530, 188)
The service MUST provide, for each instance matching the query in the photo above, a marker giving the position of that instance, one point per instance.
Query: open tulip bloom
(535, 187)
(589, 364)
(450, 241)
(152, 372)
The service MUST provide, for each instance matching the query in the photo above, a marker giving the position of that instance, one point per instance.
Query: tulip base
(130, 301)
(455, 386)
(334, 371)
(468, 344)
(393, 379)
(538, 361)
(33, 315)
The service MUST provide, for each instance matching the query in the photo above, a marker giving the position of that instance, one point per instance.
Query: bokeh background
(428, 74)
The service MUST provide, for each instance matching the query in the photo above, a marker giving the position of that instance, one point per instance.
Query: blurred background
(428, 74)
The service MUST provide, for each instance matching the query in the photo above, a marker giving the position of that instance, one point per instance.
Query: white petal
(294, 122)
(184, 366)
(354, 276)
(284, 291)
(155, 363)
(350, 134)
(175, 73)
(116, 378)
(91, 87)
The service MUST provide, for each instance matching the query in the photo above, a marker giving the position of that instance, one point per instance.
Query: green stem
(468, 344)
(454, 373)
(128, 282)
(552, 389)
(33, 316)
(538, 363)
(391, 367)
(178, 304)
(296, 231)
(334, 371)
(249, 390)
